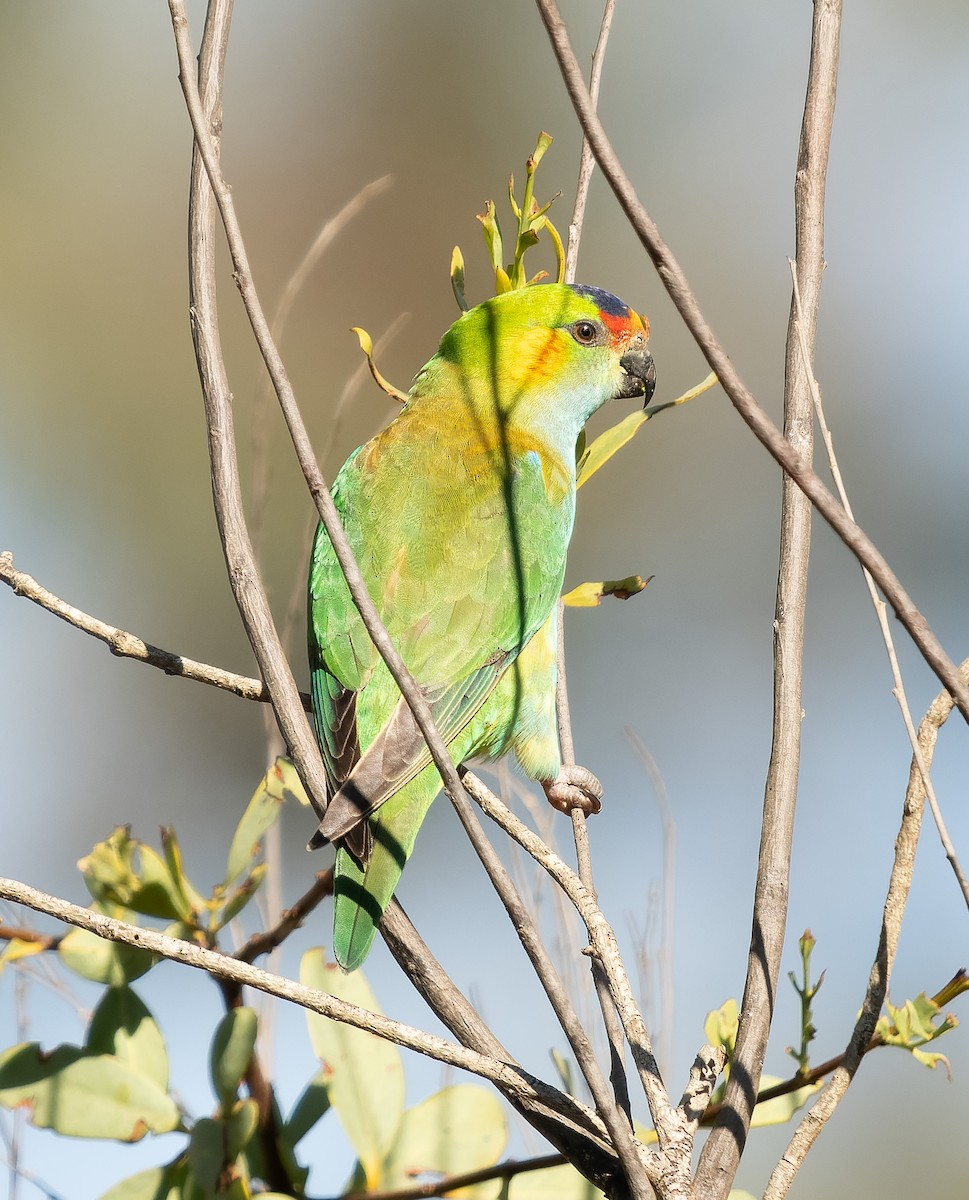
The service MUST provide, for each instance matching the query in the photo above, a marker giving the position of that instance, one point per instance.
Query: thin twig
(676, 284)
(617, 1073)
(290, 920)
(668, 930)
(672, 1126)
(128, 645)
(899, 884)
(587, 160)
(451, 1183)
(880, 611)
(582, 1137)
(21, 933)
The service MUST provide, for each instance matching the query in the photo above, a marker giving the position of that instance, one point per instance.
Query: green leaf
(313, 1104)
(121, 1025)
(123, 870)
(192, 903)
(912, 1025)
(158, 1183)
(241, 1125)
(102, 961)
(206, 1153)
(721, 1026)
(613, 440)
(544, 141)
(492, 234)
(18, 948)
(231, 1052)
(461, 1128)
(84, 1095)
(555, 1183)
(588, 595)
(780, 1110)
(261, 814)
(242, 895)
(609, 443)
(365, 1076)
(457, 278)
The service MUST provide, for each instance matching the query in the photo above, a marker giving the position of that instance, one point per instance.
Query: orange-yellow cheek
(538, 356)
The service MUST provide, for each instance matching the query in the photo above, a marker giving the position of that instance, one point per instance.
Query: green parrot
(459, 514)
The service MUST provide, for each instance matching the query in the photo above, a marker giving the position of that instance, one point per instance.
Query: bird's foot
(575, 787)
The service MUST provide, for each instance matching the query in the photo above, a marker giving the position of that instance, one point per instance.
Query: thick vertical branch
(722, 1151)
(244, 578)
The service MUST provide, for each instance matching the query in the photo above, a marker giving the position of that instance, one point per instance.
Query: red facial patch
(625, 327)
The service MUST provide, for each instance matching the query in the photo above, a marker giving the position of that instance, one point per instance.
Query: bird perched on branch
(459, 514)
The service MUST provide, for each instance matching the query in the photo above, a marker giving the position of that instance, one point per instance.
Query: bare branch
(671, 1127)
(290, 920)
(724, 1147)
(617, 1072)
(128, 645)
(899, 884)
(676, 284)
(582, 1137)
(224, 966)
(587, 158)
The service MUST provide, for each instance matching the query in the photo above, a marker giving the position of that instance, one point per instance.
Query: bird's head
(548, 355)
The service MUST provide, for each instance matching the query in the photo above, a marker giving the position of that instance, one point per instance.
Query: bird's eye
(586, 333)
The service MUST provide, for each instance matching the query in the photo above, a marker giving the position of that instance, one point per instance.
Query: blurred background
(105, 499)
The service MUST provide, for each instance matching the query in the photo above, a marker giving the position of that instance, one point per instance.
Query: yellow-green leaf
(101, 961)
(721, 1026)
(365, 1078)
(555, 1183)
(18, 948)
(609, 443)
(122, 1026)
(457, 278)
(157, 1183)
(261, 814)
(84, 1095)
(780, 1110)
(366, 345)
(461, 1128)
(229, 1057)
(588, 595)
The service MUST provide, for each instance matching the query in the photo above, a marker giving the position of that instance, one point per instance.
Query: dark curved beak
(640, 375)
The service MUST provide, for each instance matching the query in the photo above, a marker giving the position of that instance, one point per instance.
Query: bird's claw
(575, 787)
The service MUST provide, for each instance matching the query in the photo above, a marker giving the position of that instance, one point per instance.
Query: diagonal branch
(226, 967)
(900, 882)
(724, 1147)
(129, 645)
(763, 428)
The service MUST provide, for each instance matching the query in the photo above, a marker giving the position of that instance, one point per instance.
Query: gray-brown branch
(763, 428)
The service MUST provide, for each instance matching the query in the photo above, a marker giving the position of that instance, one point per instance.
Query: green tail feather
(360, 894)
